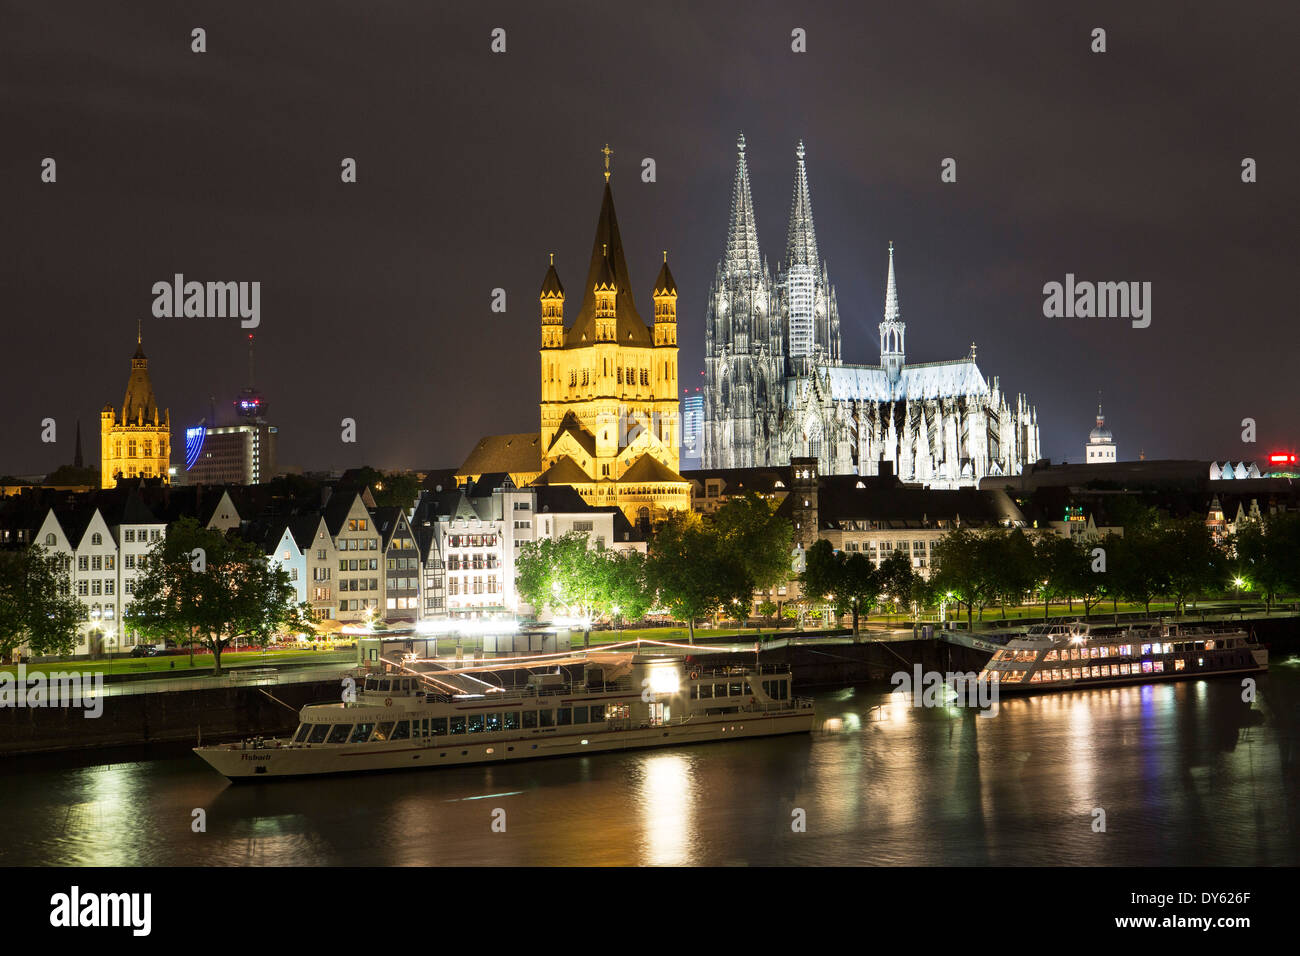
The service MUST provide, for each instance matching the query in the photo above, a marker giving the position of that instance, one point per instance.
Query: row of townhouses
(449, 556)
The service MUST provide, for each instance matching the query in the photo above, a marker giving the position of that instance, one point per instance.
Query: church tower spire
(741, 256)
(808, 308)
(801, 244)
(892, 329)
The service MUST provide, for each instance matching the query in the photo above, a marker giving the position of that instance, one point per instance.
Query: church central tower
(609, 402)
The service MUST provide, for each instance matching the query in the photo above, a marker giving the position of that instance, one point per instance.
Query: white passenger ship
(1060, 656)
(615, 702)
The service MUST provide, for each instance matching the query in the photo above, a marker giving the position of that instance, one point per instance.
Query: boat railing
(736, 670)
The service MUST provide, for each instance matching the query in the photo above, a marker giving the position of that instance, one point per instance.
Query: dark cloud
(473, 167)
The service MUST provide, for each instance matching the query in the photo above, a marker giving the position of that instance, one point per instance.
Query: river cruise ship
(1061, 656)
(410, 719)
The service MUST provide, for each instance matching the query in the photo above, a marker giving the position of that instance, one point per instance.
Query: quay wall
(166, 717)
(227, 713)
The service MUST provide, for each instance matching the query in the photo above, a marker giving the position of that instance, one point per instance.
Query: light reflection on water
(1186, 774)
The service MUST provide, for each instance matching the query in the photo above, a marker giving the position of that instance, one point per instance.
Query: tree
(1057, 560)
(686, 569)
(755, 540)
(956, 571)
(37, 608)
(1135, 565)
(1013, 572)
(1193, 563)
(203, 586)
(895, 578)
(626, 584)
(1269, 554)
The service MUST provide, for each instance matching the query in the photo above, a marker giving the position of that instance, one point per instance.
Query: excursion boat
(407, 719)
(1061, 656)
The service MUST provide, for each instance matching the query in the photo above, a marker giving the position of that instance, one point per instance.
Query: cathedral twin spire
(741, 255)
(801, 244)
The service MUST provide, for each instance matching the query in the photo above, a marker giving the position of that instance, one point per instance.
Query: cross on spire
(608, 152)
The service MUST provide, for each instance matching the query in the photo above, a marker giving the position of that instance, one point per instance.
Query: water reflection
(1187, 773)
(664, 799)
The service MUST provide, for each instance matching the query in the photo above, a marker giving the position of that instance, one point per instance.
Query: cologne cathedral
(776, 386)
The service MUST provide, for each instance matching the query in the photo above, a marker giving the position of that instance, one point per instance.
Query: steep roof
(665, 283)
(505, 453)
(563, 472)
(571, 425)
(650, 468)
(139, 401)
(608, 262)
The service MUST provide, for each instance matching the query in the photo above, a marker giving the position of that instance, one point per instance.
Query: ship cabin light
(664, 679)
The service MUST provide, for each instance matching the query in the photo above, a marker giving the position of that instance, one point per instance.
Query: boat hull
(238, 763)
(1044, 687)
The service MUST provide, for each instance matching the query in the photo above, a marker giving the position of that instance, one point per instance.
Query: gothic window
(130, 448)
(645, 377)
(573, 377)
(148, 449)
(620, 375)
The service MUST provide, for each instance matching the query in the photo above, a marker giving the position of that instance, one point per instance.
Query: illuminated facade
(1101, 443)
(135, 441)
(609, 400)
(777, 387)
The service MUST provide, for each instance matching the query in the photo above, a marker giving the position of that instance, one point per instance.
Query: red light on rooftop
(1282, 459)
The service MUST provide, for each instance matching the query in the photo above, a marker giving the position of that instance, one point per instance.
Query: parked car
(144, 650)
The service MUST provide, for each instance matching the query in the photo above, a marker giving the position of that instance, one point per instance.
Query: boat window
(339, 734)
(734, 689)
(1146, 667)
(402, 731)
(1180, 664)
(361, 733)
(301, 735)
(457, 725)
(384, 730)
(318, 732)
(785, 690)
(580, 715)
(491, 722)
(530, 719)
(372, 683)
(564, 716)
(749, 691)
(1146, 649)
(547, 717)
(1051, 655)
(475, 723)
(385, 686)
(597, 713)
(439, 726)
(1209, 645)
(511, 719)
(706, 692)
(1159, 667)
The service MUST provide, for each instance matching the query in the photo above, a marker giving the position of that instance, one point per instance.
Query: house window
(96, 538)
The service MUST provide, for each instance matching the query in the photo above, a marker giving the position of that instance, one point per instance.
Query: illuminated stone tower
(135, 442)
(892, 330)
(808, 307)
(609, 396)
(744, 361)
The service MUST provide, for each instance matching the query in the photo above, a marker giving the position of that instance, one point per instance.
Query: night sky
(473, 166)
